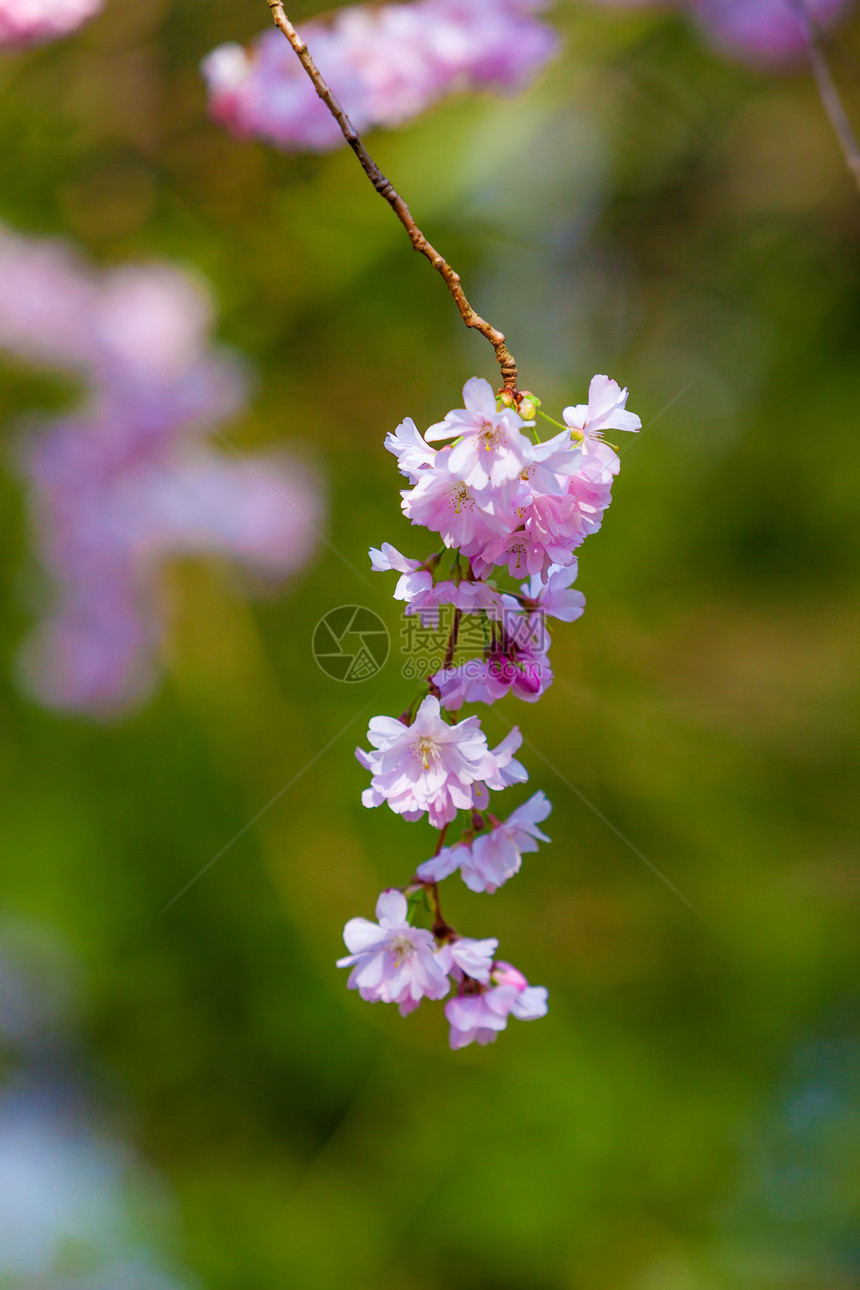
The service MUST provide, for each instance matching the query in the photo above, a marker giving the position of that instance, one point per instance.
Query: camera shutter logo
(351, 643)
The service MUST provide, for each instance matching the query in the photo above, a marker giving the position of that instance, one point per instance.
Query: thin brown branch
(828, 92)
(452, 639)
(386, 189)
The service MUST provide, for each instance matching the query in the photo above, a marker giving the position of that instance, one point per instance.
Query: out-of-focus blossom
(30, 22)
(765, 32)
(384, 64)
(130, 479)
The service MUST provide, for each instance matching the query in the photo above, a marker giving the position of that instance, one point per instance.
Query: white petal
(392, 907)
(478, 396)
(531, 1003)
(360, 933)
(440, 866)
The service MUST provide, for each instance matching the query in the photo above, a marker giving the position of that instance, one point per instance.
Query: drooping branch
(386, 189)
(828, 92)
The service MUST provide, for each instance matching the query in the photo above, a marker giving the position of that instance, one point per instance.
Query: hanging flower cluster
(500, 499)
(386, 64)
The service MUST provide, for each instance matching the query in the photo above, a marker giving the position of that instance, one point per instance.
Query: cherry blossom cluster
(766, 32)
(30, 22)
(503, 502)
(128, 478)
(385, 64)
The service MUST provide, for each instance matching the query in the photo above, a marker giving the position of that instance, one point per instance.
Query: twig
(828, 92)
(452, 639)
(385, 189)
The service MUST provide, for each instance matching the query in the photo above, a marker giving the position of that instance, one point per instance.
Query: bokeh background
(191, 1098)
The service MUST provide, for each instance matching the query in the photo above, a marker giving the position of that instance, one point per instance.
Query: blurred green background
(686, 1116)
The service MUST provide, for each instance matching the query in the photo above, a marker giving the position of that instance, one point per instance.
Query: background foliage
(683, 1119)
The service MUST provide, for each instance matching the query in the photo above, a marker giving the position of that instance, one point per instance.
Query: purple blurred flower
(129, 479)
(30, 22)
(385, 65)
(766, 32)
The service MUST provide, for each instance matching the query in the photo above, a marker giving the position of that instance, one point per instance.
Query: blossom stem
(452, 639)
(386, 190)
(551, 420)
(440, 929)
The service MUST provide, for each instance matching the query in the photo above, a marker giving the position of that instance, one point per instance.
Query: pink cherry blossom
(444, 503)
(430, 765)
(31, 22)
(416, 578)
(491, 448)
(391, 961)
(516, 662)
(478, 1013)
(498, 499)
(496, 855)
(385, 64)
(553, 597)
(466, 957)
(553, 529)
(413, 453)
(767, 32)
(468, 597)
(423, 596)
(605, 410)
(505, 770)
(552, 462)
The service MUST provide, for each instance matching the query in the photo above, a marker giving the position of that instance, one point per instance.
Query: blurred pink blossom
(385, 64)
(766, 32)
(130, 478)
(26, 22)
